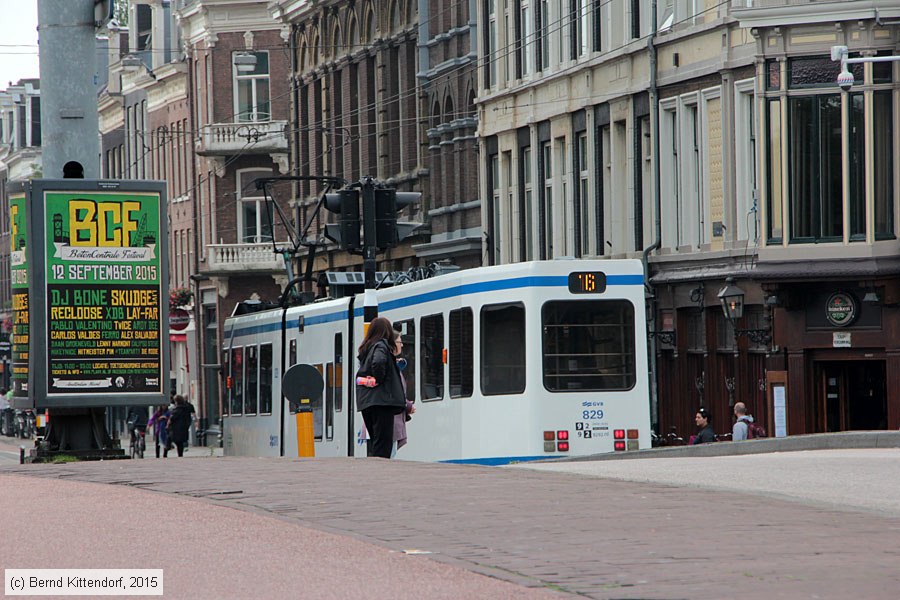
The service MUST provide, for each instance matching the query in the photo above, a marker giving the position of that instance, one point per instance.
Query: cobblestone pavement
(596, 537)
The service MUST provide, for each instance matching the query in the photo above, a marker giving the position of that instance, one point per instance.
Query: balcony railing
(231, 138)
(233, 258)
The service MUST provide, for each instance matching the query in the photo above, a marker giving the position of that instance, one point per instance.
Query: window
(229, 389)
(237, 381)
(461, 353)
(544, 41)
(431, 349)
(746, 216)
(580, 27)
(265, 379)
(256, 216)
(814, 159)
(584, 196)
(502, 349)
(528, 208)
(251, 391)
(883, 147)
(588, 345)
(775, 195)
(547, 212)
(338, 379)
(491, 10)
(251, 98)
(526, 44)
(329, 400)
(408, 336)
(494, 185)
(315, 404)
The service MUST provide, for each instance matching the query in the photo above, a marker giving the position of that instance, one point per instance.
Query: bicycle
(138, 442)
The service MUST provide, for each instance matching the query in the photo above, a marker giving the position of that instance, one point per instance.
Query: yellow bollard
(305, 437)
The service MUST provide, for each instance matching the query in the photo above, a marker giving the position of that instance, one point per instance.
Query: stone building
(770, 180)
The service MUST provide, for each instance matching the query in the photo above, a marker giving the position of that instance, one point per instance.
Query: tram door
(852, 395)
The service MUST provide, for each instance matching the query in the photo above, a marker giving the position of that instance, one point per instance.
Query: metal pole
(69, 120)
(370, 302)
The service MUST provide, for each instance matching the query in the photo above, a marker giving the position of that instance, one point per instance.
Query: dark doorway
(852, 395)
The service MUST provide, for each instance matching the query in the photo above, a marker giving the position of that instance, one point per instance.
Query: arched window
(352, 34)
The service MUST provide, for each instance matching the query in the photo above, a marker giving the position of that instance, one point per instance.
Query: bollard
(305, 436)
(21, 455)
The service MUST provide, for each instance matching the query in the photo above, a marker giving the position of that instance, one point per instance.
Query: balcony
(243, 258)
(224, 139)
(774, 13)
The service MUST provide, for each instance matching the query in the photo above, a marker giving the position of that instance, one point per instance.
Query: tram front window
(588, 345)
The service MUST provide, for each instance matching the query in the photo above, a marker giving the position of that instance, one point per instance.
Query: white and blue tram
(506, 363)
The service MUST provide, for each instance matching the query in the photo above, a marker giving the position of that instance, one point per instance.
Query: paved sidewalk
(594, 537)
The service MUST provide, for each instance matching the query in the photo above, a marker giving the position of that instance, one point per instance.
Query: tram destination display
(104, 293)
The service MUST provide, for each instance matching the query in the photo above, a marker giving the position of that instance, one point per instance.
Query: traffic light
(345, 233)
(388, 202)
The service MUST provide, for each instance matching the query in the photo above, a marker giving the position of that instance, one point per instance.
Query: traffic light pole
(370, 301)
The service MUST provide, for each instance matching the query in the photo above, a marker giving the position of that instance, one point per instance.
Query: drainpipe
(654, 136)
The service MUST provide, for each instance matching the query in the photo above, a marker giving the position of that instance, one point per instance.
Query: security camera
(845, 80)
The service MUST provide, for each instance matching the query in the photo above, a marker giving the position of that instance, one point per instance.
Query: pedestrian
(379, 387)
(158, 422)
(741, 429)
(179, 424)
(400, 420)
(705, 433)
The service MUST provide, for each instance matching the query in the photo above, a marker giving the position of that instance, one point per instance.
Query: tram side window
(408, 335)
(265, 379)
(316, 405)
(226, 368)
(251, 391)
(588, 345)
(237, 381)
(502, 349)
(338, 372)
(431, 349)
(461, 352)
(329, 400)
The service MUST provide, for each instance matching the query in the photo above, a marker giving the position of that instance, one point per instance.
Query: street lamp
(732, 299)
(245, 62)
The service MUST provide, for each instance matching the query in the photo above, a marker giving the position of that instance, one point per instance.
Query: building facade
(386, 89)
(771, 180)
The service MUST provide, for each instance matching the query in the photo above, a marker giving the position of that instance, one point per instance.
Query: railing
(763, 4)
(243, 257)
(230, 138)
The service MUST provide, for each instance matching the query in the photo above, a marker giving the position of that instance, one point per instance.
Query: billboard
(18, 232)
(97, 280)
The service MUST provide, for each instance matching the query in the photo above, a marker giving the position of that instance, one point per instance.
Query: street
(819, 524)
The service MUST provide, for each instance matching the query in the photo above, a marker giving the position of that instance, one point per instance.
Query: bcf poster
(104, 292)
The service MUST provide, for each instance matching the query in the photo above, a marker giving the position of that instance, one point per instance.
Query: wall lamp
(732, 299)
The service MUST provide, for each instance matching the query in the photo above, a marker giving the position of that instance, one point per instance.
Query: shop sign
(841, 309)
(841, 339)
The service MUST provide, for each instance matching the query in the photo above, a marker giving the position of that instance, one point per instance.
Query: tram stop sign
(302, 386)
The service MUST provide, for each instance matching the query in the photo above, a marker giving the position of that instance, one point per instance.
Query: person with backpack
(744, 427)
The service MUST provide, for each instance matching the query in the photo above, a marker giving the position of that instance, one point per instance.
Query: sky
(18, 41)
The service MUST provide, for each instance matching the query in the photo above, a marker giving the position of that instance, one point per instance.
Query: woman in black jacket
(379, 388)
(180, 423)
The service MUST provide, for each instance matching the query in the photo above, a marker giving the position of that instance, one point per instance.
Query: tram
(506, 363)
